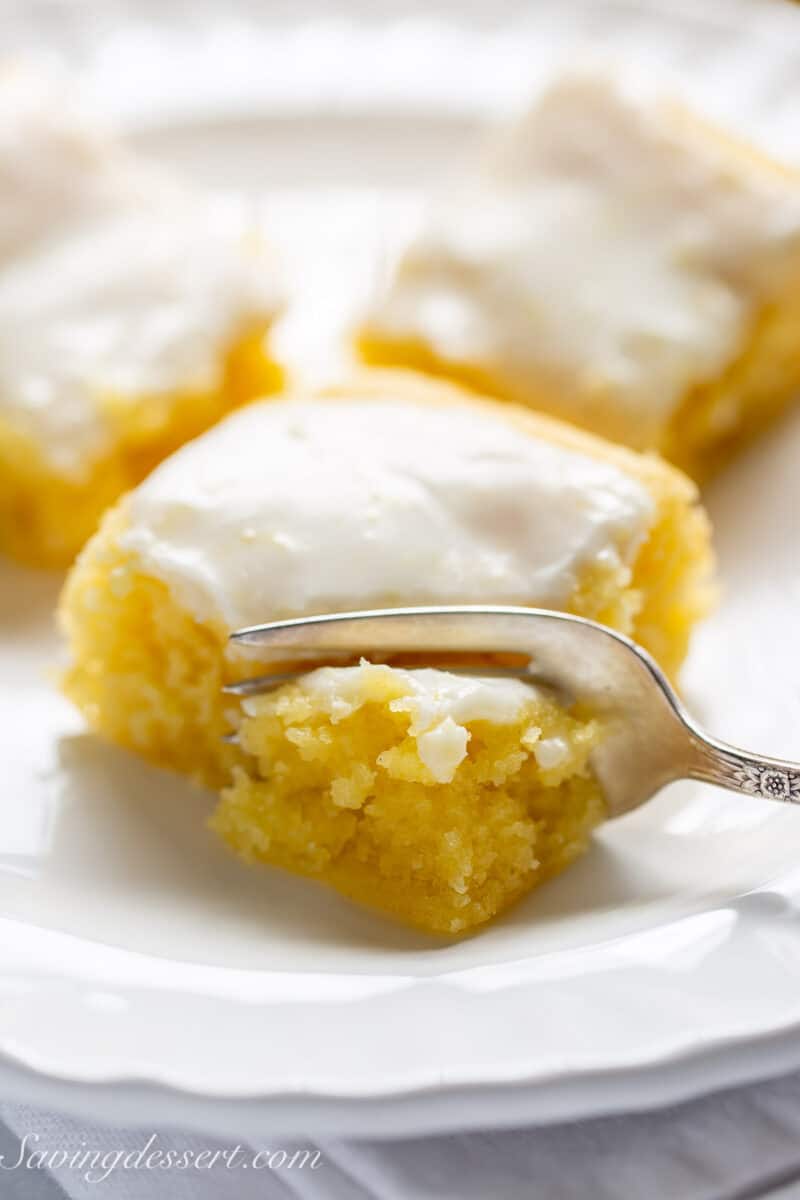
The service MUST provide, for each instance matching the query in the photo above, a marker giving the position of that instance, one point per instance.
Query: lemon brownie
(437, 798)
(133, 315)
(614, 261)
(390, 489)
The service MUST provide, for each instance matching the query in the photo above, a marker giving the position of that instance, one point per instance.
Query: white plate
(145, 974)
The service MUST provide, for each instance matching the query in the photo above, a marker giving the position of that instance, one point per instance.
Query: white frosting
(443, 748)
(114, 282)
(439, 705)
(294, 507)
(550, 752)
(605, 248)
(57, 162)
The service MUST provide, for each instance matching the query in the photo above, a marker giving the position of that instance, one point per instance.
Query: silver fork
(651, 739)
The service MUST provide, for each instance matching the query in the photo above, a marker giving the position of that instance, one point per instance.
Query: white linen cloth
(737, 1145)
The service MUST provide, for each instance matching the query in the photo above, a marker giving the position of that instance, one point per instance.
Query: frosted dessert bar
(616, 262)
(133, 314)
(437, 797)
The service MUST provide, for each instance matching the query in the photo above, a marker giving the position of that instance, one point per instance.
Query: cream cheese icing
(115, 282)
(439, 705)
(606, 246)
(295, 506)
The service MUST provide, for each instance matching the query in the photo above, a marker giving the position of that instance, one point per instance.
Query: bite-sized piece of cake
(133, 315)
(438, 798)
(392, 489)
(614, 261)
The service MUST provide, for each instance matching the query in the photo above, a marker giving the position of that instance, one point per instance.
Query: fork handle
(751, 774)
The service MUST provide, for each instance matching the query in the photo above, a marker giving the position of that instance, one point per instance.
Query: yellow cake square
(436, 798)
(133, 315)
(617, 262)
(388, 489)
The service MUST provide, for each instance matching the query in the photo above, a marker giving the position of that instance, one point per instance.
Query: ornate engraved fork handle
(750, 774)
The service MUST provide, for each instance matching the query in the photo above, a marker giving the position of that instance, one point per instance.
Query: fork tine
(260, 683)
(399, 630)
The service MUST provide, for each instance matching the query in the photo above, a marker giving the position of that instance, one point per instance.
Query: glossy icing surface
(115, 282)
(314, 505)
(607, 249)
